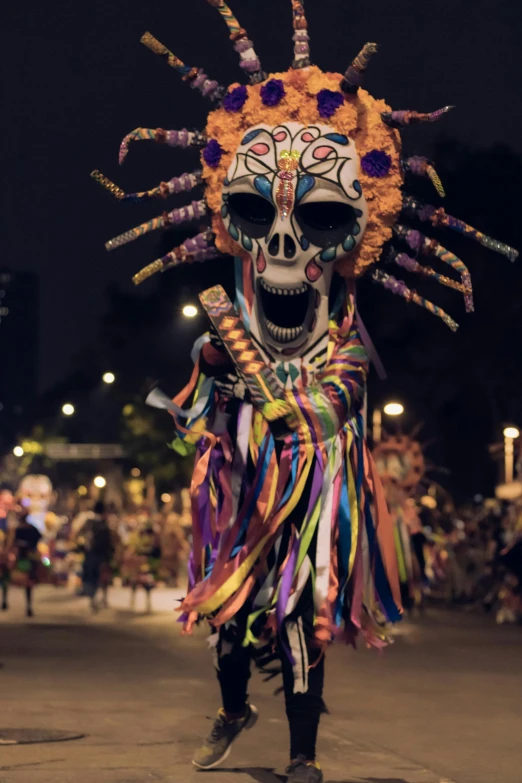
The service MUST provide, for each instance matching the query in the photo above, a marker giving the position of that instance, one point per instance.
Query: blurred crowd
(91, 549)
(471, 557)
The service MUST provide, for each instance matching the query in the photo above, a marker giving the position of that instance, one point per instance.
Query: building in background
(19, 305)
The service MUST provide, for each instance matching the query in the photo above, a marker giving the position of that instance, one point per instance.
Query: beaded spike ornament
(307, 95)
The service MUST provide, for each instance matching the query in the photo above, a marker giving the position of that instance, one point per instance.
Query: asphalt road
(443, 704)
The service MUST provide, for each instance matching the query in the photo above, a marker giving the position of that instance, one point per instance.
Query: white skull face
(35, 493)
(292, 200)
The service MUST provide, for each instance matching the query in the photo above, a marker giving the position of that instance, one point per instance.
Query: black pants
(303, 677)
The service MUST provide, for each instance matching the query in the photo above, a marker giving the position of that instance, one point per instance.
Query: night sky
(77, 79)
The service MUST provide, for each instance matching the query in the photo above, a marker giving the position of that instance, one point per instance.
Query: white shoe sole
(251, 722)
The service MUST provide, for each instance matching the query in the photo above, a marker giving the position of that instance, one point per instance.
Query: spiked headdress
(307, 95)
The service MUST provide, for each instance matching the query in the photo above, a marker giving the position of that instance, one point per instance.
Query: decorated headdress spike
(180, 184)
(171, 138)
(198, 248)
(422, 167)
(106, 183)
(412, 265)
(301, 37)
(400, 288)
(401, 118)
(430, 247)
(194, 211)
(354, 76)
(416, 208)
(195, 77)
(249, 60)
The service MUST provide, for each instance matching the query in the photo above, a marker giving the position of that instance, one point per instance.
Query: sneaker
(218, 744)
(303, 771)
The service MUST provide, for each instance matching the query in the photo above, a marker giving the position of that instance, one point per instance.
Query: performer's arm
(344, 379)
(214, 359)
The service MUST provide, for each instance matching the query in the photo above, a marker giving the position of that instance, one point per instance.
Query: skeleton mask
(293, 201)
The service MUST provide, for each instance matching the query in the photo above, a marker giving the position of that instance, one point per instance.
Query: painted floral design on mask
(292, 200)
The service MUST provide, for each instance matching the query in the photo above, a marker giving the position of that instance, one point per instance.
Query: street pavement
(443, 704)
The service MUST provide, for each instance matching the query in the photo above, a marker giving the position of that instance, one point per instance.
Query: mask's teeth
(301, 289)
(283, 334)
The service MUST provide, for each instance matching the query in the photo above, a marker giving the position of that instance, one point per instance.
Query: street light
(108, 377)
(510, 435)
(68, 409)
(100, 482)
(390, 409)
(135, 472)
(428, 502)
(18, 451)
(166, 498)
(393, 409)
(189, 311)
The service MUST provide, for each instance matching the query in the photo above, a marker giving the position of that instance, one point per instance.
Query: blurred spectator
(99, 551)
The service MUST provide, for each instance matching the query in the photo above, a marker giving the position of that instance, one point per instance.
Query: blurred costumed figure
(509, 600)
(35, 495)
(7, 505)
(99, 550)
(400, 463)
(141, 561)
(174, 549)
(30, 567)
(292, 542)
(60, 553)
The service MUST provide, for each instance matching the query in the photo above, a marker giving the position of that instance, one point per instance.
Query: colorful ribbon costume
(302, 174)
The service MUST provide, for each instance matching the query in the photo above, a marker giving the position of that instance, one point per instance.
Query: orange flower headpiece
(306, 95)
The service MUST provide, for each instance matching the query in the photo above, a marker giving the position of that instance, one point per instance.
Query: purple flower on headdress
(328, 102)
(273, 92)
(376, 163)
(213, 153)
(236, 98)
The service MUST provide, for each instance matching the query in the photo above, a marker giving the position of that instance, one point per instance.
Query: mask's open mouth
(286, 313)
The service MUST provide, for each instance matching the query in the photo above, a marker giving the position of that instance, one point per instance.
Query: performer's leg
(232, 662)
(94, 603)
(148, 599)
(5, 590)
(29, 601)
(303, 682)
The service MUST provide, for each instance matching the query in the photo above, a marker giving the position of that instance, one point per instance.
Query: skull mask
(293, 201)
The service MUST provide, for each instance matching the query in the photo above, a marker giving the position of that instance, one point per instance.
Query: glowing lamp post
(510, 435)
(100, 482)
(390, 409)
(108, 377)
(393, 409)
(68, 409)
(18, 451)
(190, 311)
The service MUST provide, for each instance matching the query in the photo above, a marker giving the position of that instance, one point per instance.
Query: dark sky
(76, 80)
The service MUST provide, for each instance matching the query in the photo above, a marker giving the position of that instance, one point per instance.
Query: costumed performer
(292, 542)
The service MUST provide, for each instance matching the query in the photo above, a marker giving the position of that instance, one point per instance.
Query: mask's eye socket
(251, 213)
(326, 223)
